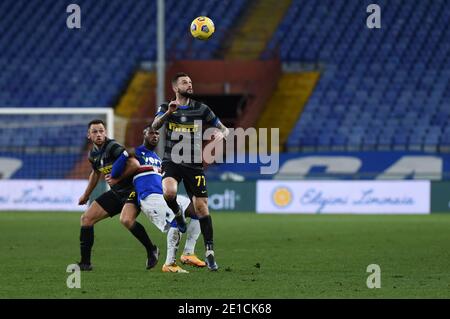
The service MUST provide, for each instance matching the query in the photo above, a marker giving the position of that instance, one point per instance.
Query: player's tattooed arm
(210, 118)
(216, 143)
(160, 119)
(222, 133)
(93, 180)
(225, 131)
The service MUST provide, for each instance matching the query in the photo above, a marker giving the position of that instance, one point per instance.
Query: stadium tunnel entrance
(227, 107)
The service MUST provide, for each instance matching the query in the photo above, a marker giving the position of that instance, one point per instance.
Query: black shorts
(193, 179)
(113, 203)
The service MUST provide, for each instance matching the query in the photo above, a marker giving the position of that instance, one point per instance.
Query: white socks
(173, 240)
(174, 237)
(192, 234)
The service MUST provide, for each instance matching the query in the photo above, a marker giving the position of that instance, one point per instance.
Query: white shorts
(155, 208)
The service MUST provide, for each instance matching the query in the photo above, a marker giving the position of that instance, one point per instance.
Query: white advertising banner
(343, 197)
(46, 195)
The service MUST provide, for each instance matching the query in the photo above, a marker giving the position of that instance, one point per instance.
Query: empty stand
(45, 64)
(385, 89)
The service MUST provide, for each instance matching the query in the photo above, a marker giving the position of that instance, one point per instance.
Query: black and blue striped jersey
(186, 125)
(102, 159)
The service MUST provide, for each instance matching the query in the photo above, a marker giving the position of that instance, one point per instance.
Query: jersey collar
(147, 149)
(188, 105)
(97, 148)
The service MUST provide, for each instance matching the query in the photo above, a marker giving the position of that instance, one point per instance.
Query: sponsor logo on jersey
(106, 170)
(183, 127)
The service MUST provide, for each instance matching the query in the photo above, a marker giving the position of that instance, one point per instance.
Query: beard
(186, 94)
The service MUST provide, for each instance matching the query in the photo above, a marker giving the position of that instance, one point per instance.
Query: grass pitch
(260, 256)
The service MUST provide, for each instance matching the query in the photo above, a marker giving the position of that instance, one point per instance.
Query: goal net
(47, 143)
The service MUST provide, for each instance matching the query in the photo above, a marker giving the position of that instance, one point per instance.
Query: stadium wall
(343, 197)
(440, 197)
(346, 166)
(276, 196)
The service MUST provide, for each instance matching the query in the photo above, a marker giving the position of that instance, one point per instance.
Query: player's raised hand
(173, 106)
(83, 199)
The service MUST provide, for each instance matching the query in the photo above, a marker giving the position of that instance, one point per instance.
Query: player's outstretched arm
(93, 180)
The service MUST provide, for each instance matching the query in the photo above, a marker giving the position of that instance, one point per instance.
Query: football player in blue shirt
(148, 186)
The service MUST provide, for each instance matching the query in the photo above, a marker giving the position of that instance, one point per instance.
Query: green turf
(261, 256)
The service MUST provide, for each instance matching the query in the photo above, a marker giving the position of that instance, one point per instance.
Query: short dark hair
(96, 121)
(177, 76)
(149, 127)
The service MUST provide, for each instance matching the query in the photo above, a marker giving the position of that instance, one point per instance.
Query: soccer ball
(202, 28)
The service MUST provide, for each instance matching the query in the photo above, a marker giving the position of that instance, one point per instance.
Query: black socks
(139, 232)
(86, 243)
(207, 231)
(173, 205)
